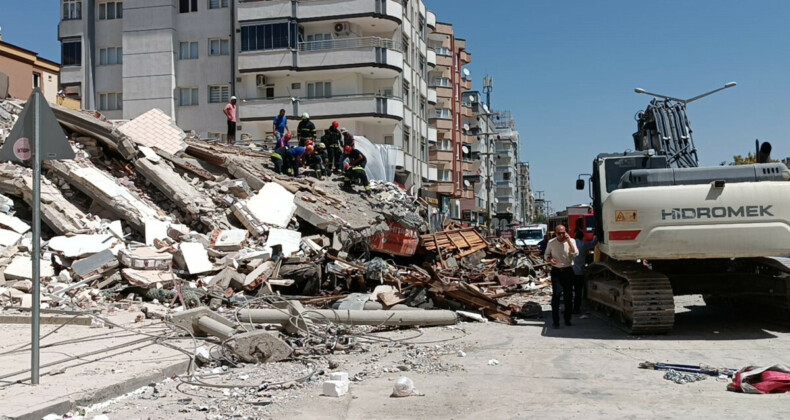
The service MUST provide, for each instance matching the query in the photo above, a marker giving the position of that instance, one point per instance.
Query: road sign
(36, 137)
(52, 140)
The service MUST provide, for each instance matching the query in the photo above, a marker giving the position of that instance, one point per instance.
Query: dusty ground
(475, 370)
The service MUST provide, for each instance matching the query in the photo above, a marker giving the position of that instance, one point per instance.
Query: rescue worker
(316, 160)
(332, 139)
(348, 138)
(305, 130)
(277, 158)
(355, 169)
(293, 158)
(283, 141)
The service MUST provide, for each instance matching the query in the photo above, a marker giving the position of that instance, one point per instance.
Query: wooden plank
(47, 320)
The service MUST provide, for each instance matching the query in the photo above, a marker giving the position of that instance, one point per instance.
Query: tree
(740, 160)
(541, 218)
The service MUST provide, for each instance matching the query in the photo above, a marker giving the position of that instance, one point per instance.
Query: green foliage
(541, 218)
(740, 160)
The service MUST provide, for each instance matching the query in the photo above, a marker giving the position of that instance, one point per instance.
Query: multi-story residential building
(525, 198)
(26, 70)
(450, 154)
(508, 207)
(363, 63)
(481, 128)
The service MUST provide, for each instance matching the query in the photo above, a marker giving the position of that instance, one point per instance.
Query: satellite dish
(496, 200)
(466, 127)
(467, 183)
(471, 98)
(465, 149)
(466, 72)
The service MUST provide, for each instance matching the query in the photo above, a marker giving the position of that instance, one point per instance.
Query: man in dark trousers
(560, 253)
(293, 158)
(277, 158)
(230, 112)
(334, 148)
(305, 130)
(578, 268)
(316, 160)
(356, 169)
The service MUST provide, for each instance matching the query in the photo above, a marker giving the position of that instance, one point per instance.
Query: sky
(567, 70)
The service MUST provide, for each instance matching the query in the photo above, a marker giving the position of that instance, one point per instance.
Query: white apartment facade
(507, 200)
(363, 63)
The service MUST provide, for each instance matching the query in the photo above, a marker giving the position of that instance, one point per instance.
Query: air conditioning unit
(260, 80)
(342, 28)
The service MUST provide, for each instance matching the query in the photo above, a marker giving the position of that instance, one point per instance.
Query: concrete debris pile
(209, 237)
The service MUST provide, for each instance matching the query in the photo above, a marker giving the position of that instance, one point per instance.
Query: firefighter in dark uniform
(332, 139)
(305, 130)
(316, 160)
(355, 169)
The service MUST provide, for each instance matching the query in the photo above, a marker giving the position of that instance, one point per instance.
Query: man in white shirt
(560, 253)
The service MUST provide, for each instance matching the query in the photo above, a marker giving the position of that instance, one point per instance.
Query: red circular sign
(22, 148)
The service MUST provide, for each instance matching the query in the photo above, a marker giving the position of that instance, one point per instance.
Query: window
(443, 51)
(218, 46)
(72, 9)
(389, 139)
(188, 6)
(319, 90)
(217, 4)
(188, 97)
(188, 50)
(218, 94)
(407, 140)
(110, 101)
(405, 48)
(318, 42)
(269, 92)
(110, 56)
(423, 102)
(111, 10)
(422, 64)
(268, 36)
(36, 80)
(71, 52)
(406, 95)
(506, 176)
(296, 86)
(443, 113)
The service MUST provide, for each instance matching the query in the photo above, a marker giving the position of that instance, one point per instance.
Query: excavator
(668, 227)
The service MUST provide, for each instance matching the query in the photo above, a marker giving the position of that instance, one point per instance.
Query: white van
(530, 235)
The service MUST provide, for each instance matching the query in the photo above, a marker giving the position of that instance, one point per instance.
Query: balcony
(436, 156)
(444, 61)
(467, 166)
(431, 58)
(466, 84)
(432, 96)
(432, 134)
(250, 10)
(430, 20)
(466, 111)
(71, 75)
(441, 187)
(465, 58)
(350, 105)
(346, 52)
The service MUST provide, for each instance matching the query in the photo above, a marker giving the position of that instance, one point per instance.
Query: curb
(70, 403)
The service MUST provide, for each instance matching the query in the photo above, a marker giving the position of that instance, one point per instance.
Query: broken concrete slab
(101, 187)
(155, 229)
(13, 223)
(149, 154)
(145, 258)
(146, 278)
(273, 205)
(289, 239)
(182, 193)
(9, 238)
(87, 124)
(56, 210)
(94, 266)
(21, 268)
(155, 129)
(229, 239)
(194, 258)
(82, 245)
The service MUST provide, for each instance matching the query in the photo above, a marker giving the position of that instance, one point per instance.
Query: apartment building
(363, 63)
(507, 205)
(525, 197)
(450, 155)
(26, 70)
(480, 178)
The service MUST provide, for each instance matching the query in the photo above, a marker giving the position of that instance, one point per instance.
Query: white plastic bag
(404, 387)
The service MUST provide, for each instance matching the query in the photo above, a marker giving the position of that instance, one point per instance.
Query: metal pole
(36, 257)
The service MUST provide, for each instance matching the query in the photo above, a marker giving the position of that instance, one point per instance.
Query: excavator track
(641, 299)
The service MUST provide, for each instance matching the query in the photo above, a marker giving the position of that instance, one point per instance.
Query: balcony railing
(348, 43)
(440, 82)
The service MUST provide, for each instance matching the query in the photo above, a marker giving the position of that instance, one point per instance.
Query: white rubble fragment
(13, 223)
(22, 268)
(82, 245)
(273, 205)
(337, 385)
(149, 154)
(289, 239)
(195, 257)
(155, 229)
(9, 238)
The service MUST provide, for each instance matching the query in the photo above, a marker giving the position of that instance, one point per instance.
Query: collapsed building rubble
(223, 245)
